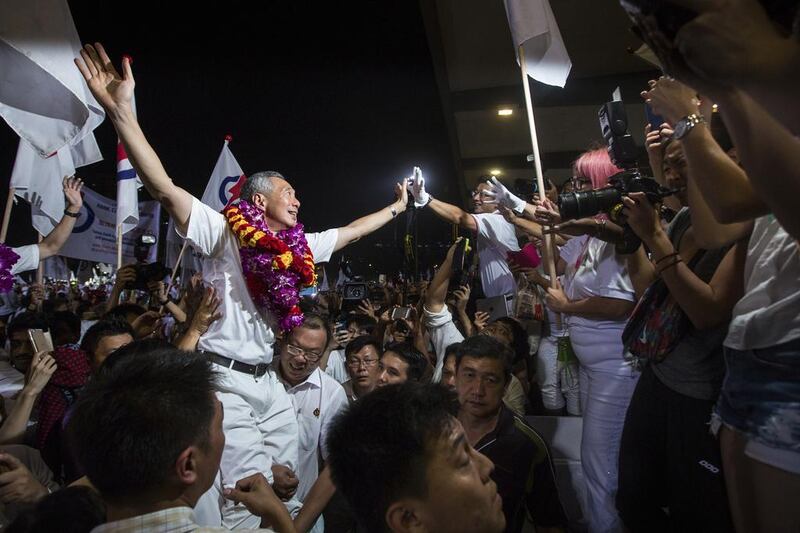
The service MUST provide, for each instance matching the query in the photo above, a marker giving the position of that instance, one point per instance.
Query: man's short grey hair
(260, 182)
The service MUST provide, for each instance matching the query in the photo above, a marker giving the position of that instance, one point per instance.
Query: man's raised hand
(113, 91)
(417, 185)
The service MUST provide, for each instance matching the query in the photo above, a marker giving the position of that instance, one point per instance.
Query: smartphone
(41, 340)
(401, 313)
(655, 120)
(496, 307)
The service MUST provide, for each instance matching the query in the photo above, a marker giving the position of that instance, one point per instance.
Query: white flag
(43, 96)
(534, 27)
(226, 180)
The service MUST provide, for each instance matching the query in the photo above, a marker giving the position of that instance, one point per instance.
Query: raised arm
(706, 304)
(115, 93)
(769, 153)
(54, 240)
(437, 291)
(723, 183)
(366, 225)
(450, 213)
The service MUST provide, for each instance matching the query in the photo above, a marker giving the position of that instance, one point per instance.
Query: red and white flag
(128, 185)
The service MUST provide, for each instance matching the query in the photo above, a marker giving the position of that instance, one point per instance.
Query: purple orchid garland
(8, 258)
(275, 290)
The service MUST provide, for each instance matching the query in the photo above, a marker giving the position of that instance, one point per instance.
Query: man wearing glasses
(495, 236)
(362, 357)
(317, 398)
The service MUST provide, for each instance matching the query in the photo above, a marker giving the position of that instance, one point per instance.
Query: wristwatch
(685, 125)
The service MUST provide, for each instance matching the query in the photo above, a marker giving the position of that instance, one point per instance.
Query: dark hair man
(524, 473)
(449, 366)
(362, 357)
(20, 353)
(104, 337)
(401, 362)
(402, 461)
(152, 460)
(317, 400)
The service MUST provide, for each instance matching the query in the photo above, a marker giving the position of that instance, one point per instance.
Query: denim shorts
(760, 395)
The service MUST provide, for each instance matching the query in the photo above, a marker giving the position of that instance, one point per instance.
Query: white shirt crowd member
(496, 237)
(259, 421)
(317, 401)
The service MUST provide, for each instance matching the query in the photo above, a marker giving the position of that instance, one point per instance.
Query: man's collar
(313, 380)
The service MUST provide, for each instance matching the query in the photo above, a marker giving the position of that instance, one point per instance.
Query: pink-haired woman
(595, 302)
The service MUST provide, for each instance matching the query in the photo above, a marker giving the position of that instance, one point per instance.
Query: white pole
(119, 246)
(537, 162)
(7, 214)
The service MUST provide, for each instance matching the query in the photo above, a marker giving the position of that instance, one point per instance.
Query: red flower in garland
(275, 266)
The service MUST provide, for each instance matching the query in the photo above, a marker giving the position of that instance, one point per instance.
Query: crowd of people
(236, 399)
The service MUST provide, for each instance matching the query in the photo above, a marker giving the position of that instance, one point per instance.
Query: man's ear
(260, 200)
(405, 516)
(186, 466)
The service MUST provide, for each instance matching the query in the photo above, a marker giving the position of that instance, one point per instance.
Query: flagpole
(537, 163)
(40, 270)
(7, 214)
(119, 246)
(175, 271)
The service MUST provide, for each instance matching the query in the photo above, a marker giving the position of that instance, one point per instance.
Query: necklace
(276, 266)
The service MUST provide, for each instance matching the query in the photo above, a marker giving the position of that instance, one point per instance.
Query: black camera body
(146, 273)
(623, 153)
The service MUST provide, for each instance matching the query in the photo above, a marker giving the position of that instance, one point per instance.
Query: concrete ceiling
(477, 74)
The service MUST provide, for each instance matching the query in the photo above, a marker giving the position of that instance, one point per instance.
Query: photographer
(677, 331)
(595, 302)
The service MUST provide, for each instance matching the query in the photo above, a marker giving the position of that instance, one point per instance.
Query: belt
(254, 370)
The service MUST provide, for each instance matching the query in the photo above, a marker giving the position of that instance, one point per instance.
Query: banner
(94, 235)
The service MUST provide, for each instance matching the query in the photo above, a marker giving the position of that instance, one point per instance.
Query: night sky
(338, 96)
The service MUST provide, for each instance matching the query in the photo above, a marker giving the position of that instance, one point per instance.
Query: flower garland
(8, 258)
(276, 266)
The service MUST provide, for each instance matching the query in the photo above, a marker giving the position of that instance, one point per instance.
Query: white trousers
(260, 428)
(605, 398)
(557, 381)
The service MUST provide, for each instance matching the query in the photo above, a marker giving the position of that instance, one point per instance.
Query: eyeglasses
(356, 363)
(579, 182)
(296, 351)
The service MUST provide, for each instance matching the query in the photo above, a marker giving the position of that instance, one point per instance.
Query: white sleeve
(28, 258)
(443, 333)
(611, 278)
(322, 244)
(206, 229)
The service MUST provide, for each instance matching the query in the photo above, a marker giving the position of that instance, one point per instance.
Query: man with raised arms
(257, 258)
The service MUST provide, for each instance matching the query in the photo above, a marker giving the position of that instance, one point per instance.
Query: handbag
(657, 323)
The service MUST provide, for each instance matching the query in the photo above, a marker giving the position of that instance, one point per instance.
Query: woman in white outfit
(595, 302)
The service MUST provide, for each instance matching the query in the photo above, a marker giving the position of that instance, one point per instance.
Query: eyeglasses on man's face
(355, 362)
(296, 351)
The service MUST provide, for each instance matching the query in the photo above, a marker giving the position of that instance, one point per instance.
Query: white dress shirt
(244, 333)
(316, 401)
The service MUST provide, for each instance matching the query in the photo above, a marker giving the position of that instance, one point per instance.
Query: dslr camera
(622, 150)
